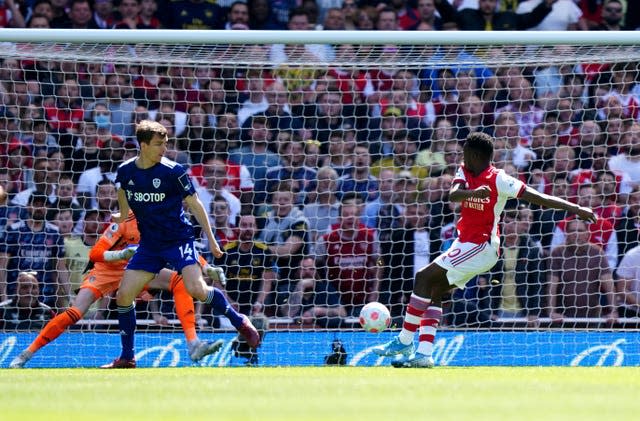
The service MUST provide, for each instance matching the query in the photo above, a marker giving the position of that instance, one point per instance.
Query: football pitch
(321, 393)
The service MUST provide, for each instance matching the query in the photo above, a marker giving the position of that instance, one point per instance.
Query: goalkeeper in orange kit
(108, 259)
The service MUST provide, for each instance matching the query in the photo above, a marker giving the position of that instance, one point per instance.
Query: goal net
(325, 168)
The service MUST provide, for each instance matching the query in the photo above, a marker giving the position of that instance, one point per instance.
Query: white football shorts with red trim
(463, 261)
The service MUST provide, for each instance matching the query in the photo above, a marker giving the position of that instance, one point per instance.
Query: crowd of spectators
(407, 15)
(327, 186)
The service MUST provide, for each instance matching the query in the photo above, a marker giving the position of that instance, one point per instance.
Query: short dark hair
(298, 11)
(514, 209)
(147, 129)
(284, 186)
(218, 198)
(387, 9)
(91, 212)
(351, 198)
(237, 2)
(585, 186)
(38, 197)
(57, 212)
(481, 143)
(105, 182)
(39, 15)
(570, 77)
(88, 122)
(260, 119)
(561, 176)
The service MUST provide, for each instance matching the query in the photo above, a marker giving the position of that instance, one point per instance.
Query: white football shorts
(463, 261)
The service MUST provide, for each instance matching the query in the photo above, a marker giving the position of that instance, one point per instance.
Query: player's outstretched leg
(243, 325)
(431, 281)
(197, 288)
(246, 327)
(421, 358)
(185, 310)
(200, 349)
(56, 326)
(403, 343)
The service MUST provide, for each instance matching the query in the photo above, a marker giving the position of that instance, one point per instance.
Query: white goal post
(379, 113)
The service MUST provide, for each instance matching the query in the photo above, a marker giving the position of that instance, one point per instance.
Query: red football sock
(428, 329)
(415, 311)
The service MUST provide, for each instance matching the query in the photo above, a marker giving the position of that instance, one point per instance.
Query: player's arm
(199, 212)
(101, 251)
(123, 206)
(460, 194)
(533, 196)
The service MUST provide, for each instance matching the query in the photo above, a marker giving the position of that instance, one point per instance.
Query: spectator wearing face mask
(120, 105)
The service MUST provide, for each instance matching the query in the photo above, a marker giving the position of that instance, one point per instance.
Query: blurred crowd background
(327, 183)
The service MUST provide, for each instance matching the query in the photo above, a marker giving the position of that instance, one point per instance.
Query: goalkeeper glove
(216, 274)
(124, 254)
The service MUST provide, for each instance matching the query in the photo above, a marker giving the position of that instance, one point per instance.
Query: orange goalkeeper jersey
(115, 237)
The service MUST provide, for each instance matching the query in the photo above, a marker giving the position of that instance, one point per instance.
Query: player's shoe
(393, 347)
(203, 348)
(216, 274)
(120, 363)
(249, 332)
(415, 360)
(21, 359)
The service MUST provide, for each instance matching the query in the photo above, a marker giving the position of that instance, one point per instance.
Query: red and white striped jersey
(479, 217)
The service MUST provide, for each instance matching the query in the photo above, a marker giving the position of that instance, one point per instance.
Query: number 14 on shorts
(187, 251)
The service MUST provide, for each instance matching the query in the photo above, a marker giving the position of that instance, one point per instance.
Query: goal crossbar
(314, 37)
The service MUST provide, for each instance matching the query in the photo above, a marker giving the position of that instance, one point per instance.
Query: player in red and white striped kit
(483, 191)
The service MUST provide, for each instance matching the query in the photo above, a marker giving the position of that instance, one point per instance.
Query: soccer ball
(374, 317)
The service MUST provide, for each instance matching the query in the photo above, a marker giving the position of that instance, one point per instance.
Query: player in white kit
(483, 191)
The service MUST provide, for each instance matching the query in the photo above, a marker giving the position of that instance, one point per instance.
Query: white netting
(386, 122)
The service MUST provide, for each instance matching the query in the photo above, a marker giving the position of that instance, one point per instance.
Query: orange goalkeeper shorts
(101, 284)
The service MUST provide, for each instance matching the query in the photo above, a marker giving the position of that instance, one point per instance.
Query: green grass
(321, 393)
